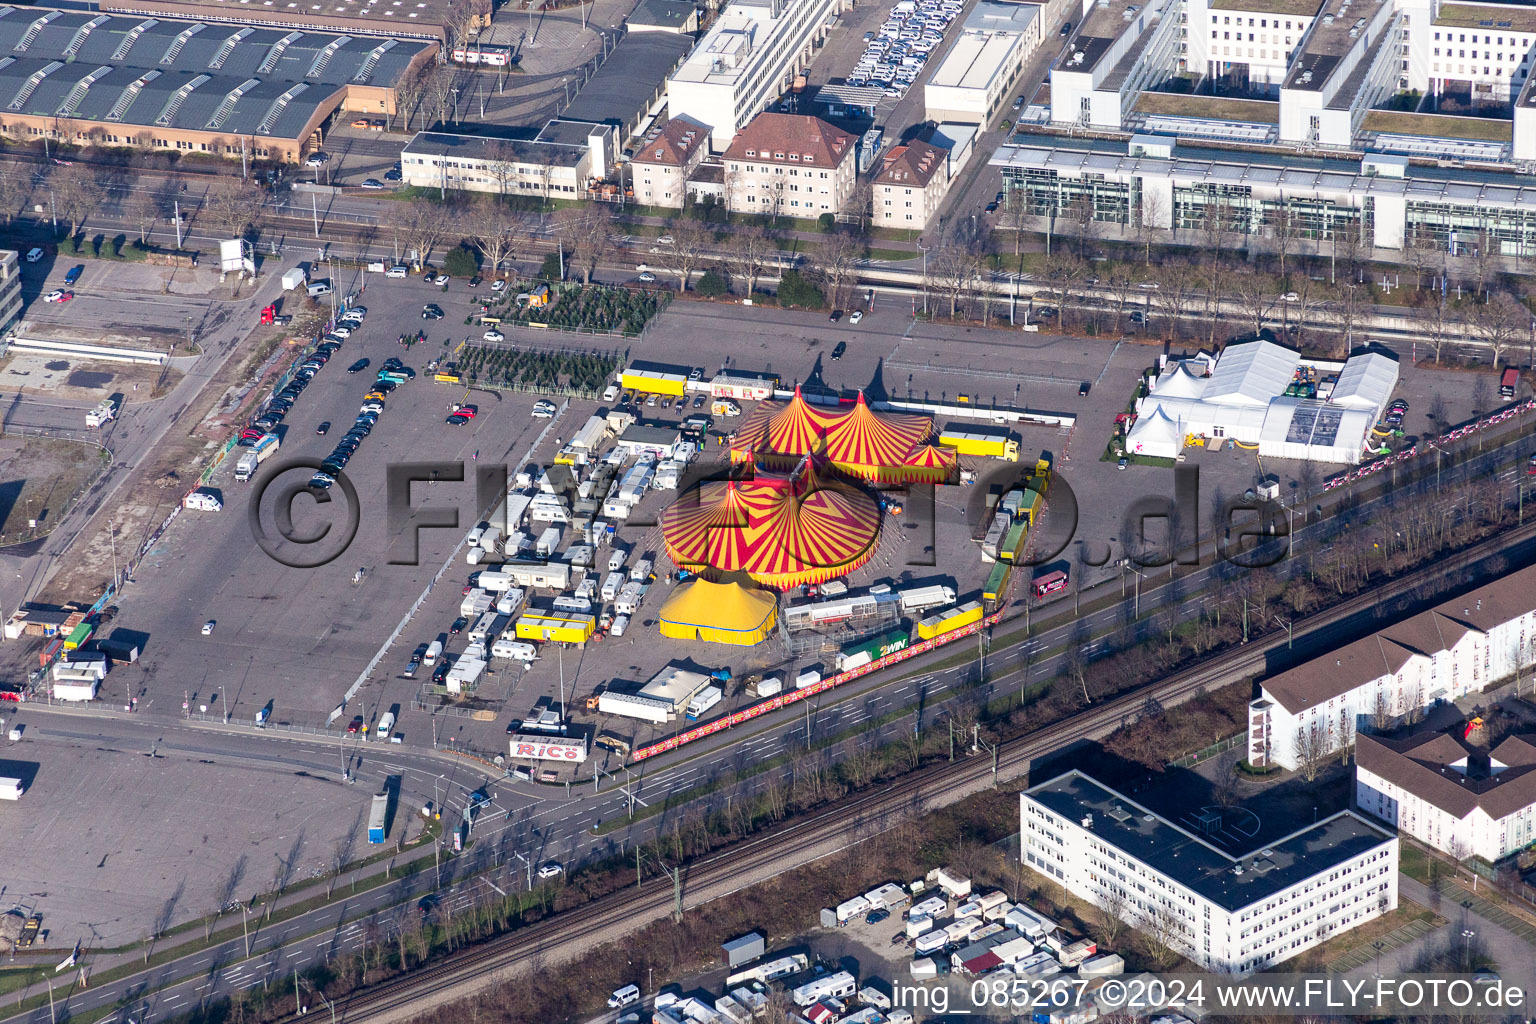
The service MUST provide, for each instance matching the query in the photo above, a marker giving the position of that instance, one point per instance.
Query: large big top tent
(721, 613)
(856, 439)
(783, 530)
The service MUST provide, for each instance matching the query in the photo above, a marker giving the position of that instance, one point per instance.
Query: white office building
(1400, 122)
(1458, 647)
(977, 76)
(1225, 913)
(10, 289)
(746, 61)
(1463, 799)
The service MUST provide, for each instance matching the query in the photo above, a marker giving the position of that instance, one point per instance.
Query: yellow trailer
(561, 627)
(949, 620)
(655, 378)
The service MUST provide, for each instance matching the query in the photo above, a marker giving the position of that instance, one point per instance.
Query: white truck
(11, 789)
(103, 414)
(263, 450)
(294, 278)
(706, 699)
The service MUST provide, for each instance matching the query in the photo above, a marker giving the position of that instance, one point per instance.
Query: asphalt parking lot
(97, 820)
(295, 636)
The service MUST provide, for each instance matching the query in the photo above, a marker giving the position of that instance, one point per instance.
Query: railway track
(858, 818)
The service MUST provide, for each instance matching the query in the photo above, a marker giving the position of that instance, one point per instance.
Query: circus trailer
(755, 389)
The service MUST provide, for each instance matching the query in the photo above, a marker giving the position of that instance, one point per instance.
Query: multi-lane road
(525, 824)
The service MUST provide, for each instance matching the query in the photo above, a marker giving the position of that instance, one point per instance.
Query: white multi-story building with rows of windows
(1404, 124)
(1458, 647)
(1459, 797)
(1225, 913)
(747, 60)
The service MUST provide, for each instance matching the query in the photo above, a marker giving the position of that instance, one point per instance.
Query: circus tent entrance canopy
(781, 529)
(719, 613)
(856, 439)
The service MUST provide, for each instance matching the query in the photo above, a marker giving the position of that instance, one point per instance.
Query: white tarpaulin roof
(1179, 381)
(1251, 373)
(1304, 428)
(1366, 382)
(1155, 433)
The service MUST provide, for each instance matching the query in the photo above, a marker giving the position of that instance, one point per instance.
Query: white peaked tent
(1155, 434)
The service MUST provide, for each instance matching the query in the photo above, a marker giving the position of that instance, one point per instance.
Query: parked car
(856, 316)
(373, 184)
(838, 350)
(551, 869)
(359, 366)
(647, 277)
(837, 315)
(493, 335)
(324, 428)
(431, 311)
(58, 295)
(208, 627)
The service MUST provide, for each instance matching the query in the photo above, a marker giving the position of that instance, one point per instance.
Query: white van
(611, 392)
(386, 723)
(807, 677)
(33, 255)
(620, 624)
(202, 502)
(434, 651)
(623, 997)
(398, 270)
(476, 534)
(318, 288)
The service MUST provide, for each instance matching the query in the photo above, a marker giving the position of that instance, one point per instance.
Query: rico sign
(547, 748)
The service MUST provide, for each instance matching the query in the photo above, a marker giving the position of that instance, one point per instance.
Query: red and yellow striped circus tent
(931, 464)
(781, 529)
(856, 439)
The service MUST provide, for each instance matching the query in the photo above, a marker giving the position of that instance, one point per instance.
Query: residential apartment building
(665, 159)
(561, 162)
(914, 178)
(1458, 647)
(10, 290)
(1230, 914)
(792, 165)
(1466, 800)
(746, 61)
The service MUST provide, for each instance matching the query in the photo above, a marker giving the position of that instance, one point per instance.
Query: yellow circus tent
(930, 464)
(719, 613)
(854, 438)
(781, 529)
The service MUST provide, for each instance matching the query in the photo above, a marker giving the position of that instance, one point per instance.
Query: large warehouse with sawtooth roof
(190, 86)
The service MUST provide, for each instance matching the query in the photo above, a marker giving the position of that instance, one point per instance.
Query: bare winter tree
(1015, 219)
(502, 157)
(1111, 909)
(1063, 272)
(1256, 293)
(15, 189)
(234, 205)
(838, 262)
(1311, 750)
(1499, 323)
(1176, 283)
(424, 225)
(691, 242)
(586, 229)
(1283, 233)
(754, 249)
(496, 230)
(76, 192)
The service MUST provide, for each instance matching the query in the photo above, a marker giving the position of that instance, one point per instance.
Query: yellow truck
(982, 441)
(570, 628)
(949, 620)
